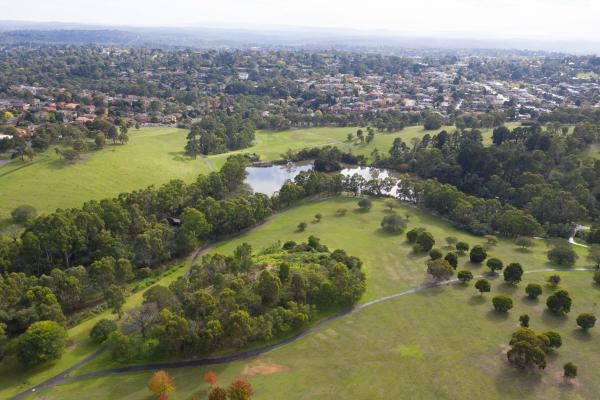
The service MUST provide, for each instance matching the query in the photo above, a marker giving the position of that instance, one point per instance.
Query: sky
(537, 19)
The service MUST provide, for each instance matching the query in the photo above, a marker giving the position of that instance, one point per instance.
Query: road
(63, 377)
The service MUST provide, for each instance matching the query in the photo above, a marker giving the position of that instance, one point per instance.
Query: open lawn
(154, 156)
(394, 348)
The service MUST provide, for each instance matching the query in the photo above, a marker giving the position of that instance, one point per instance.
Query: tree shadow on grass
(581, 335)
(381, 233)
(507, 288)
(553, 320)
(496, 316)
(516, 383)
(460, 286)
(477, 300)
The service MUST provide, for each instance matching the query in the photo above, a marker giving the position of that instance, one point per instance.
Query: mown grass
(393, 349)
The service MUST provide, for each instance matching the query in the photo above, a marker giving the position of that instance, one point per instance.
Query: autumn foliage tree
(211, 377)
(161, 384)
(240, 389)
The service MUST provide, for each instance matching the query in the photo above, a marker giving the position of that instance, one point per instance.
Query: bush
(451, 240)
(413, 234)
(524, 320)
(554, 339)
(483, 285)
(23, 214)
(559, 303)
(586, 321)
(439, 269)
(43, 341)
(597, 277)
(318, 217)
(494, 264)
(393, 223)
(570, 370)
(434, 254)
(465, 276)
(554, 280)
(562, 254)
(533, 290)
(462, 247)
(301, 226)
(524, 242)
(452, 259)
(341, 212)
(102, 330)
(477, 254)
(502, 303)
(513, 273)
(365, 204)
(424, 242)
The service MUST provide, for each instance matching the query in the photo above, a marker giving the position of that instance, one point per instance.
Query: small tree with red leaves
(211, 377)
(217, 393)
(240, 390)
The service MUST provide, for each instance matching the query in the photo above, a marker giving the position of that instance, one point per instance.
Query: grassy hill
(395, 348)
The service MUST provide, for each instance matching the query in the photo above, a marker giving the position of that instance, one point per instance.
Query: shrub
(524, 320)
(533, 290)
(452, 259)
(586, 321)
(513, 273)
(23, 214)
(302, 226)
(413, 234)
(424, 242)
(597, 277)
(365, 204)
(477, 254)
(554, 339)
(462, 247)
(451, 240)
(559, 303)
(554, 280)
(483, 285)
(570, 370)
(318, 217)
(494, 264)
(434, 254)
(465, 276)
(562, 254)
(393, 223)
(341, 212)
(523, 242)
(102, 330)
(502, 303)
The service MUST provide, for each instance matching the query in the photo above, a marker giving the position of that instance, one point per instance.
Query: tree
(102, 330)
(533, 290)
(554, 280)
(161, 383)
(393, 223)
(554, 339)
(434, 254)
(365, 204)
(318, 217)
(302, 226)
(483, 285)
(211, 378)
(586, 321)
(23, 214)
(477, 254)
(413, 234)
(524, 320)
(268, 288)
(123, 271)
(451, 240)
(240, 389)
(524, 242)
(115, 299)
(559, 303)
(43, 341)
(391, 204)
(562, 254)
(424, 242)
(527, 349)
(462, 247)
(494, 264)
(465, 276)
(217, 393)
(194, 222)
(570, 371)
(452, 259)
(513, 273)
(440, 269)
(502, 303)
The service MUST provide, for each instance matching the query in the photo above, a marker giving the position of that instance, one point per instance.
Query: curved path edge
(63, 377)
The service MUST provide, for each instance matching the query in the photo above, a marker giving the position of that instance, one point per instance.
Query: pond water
(269, 180)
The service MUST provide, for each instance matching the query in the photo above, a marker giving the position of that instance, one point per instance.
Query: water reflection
(269, 180)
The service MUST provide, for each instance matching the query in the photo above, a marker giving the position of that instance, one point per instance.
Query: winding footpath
(64, 377)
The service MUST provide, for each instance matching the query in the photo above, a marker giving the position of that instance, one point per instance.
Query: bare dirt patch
(262, 368)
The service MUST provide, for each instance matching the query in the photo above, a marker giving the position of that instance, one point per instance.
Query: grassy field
(154, 156)
(392, 349)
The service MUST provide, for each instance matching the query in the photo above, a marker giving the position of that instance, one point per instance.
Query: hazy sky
(558, 19)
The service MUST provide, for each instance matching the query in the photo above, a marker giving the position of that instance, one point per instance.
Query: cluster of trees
(230, 301)
(539, 171)
(218, 134)
(326, 159)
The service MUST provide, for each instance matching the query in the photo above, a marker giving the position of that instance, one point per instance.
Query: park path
(25, 166)
(208, 164)
(64, 377)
